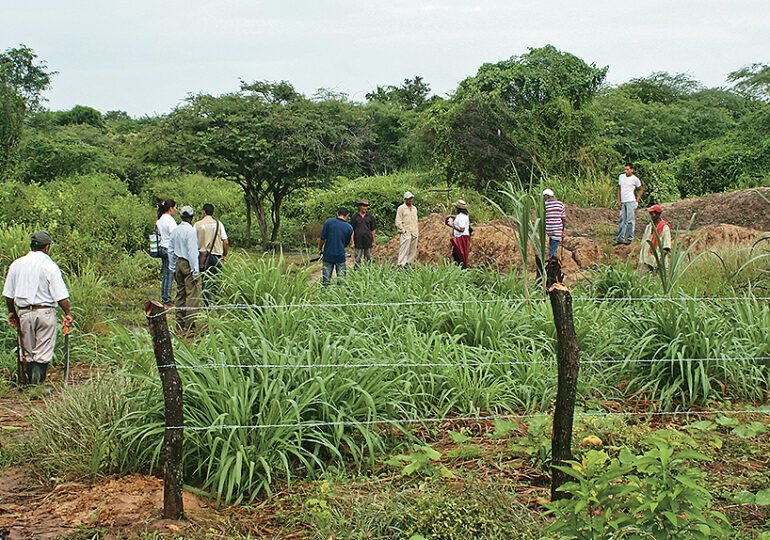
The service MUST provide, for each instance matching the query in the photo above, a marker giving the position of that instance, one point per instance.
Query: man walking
(212, 246)
(555, 219)
(335, 235)
(406, 225)
(364, 233)
(183, 260)
(647, 261)
(33, 287)
(628, 201)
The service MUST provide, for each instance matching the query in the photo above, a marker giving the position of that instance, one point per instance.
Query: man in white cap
(33, 288)
(555, 218)
(406, 225)
(183, 261)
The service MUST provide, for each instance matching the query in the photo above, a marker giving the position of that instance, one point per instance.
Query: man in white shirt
(183, 260)
(406, 225)
(628, 201)
(33, 287)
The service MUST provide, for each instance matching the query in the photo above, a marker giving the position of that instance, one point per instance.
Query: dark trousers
(209, 277)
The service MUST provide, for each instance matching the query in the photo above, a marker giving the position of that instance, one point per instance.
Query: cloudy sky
(145, 56)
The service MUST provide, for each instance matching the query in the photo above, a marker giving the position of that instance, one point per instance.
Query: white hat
(187, 211)
(408, 195)
(548, 192)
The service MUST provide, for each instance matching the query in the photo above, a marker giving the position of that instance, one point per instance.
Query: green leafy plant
(653, 495)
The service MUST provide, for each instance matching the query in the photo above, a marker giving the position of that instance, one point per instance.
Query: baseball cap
(41, 238)
(408, 195)
(655, 208)
(362, 202)
(548, 192)
(187, 211)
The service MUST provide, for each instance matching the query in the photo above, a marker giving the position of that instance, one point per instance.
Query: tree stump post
(173, 480)
(568, 358)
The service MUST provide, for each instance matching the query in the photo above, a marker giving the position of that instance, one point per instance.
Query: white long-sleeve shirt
(184, 245)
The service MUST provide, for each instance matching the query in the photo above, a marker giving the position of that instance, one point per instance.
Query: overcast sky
(145, 56)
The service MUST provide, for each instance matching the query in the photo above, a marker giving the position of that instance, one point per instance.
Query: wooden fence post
(173, 480)
(568, 358)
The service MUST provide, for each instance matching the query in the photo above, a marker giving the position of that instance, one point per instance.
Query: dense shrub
(89, 217)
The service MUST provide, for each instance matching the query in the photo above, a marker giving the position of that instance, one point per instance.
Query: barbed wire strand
(452, 364)
(243, 307)
(459, 419)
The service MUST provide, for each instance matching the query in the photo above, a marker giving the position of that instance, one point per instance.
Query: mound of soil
(590, 233)
(130, 504)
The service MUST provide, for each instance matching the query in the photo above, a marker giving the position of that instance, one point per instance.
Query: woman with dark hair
(461, 234)
(165, 226)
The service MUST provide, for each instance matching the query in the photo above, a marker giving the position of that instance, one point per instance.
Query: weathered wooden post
(568, 358)
(173, 481)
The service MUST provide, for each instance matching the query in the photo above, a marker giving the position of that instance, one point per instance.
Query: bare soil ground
(736, 218)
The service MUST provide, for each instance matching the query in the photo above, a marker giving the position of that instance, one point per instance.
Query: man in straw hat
(364, 233)
(461, 234)
(406, 224)
(647, 261)
(33, 288)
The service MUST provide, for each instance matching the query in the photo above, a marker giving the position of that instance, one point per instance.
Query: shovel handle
(66, 329)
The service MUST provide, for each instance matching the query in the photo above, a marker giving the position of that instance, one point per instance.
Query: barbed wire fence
(172, 384)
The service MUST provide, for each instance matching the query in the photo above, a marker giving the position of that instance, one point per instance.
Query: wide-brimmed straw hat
(461, 204)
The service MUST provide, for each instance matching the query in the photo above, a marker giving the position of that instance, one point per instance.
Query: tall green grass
(325, 362)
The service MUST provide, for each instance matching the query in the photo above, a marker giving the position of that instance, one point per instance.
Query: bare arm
(65, 305)
(225, 246)
(13, 317)
(321, 246)
(641, 192)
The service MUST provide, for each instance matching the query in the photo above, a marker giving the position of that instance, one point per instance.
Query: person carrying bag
(212, 246)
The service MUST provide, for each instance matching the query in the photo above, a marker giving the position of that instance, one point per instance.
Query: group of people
(337, 234)
(189, 251)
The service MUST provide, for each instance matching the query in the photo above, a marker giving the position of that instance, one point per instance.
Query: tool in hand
(66, 353)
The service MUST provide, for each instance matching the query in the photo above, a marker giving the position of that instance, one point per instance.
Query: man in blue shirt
(183, 262)
(334, 237)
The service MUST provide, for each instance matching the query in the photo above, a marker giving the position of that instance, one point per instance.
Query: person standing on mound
(461, 234)
(647, 261)
(407, 226)
(628, 201)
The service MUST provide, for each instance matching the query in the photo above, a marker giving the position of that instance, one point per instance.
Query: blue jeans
(626, 223)
(363, 256)
(553, 246)
(340, 267)
(168, 277)
(209, 284)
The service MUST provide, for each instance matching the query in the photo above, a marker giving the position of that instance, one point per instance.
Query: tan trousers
(407, 249)
(188, 294)
(38, 334)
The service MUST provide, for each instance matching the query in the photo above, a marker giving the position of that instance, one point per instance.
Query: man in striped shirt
(555, 218)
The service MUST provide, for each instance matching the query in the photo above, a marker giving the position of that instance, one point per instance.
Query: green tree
(410, 96)
(22, 83)
(752, 81)
(529, 114)
(268, 139)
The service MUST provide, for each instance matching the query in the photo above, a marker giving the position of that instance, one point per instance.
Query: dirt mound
(131, 504)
